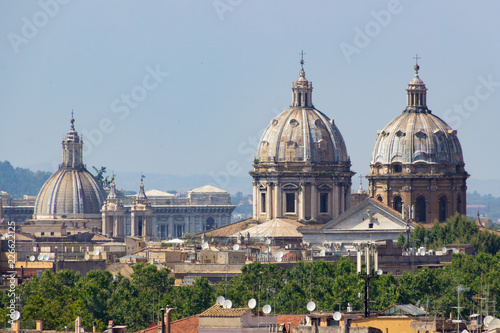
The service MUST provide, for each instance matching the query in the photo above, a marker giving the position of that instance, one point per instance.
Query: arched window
(209, 224)
(379, 198)
(420, 210)
(443, 208)
(398, 203)
(459, 205)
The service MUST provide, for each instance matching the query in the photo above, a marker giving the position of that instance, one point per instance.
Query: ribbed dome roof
(302, 133)
(417, 135)
(71, 192)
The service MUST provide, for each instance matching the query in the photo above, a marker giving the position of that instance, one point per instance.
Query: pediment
(290, 187)
(368, 212)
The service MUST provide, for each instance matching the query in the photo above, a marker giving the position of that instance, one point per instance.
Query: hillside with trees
(20, 181)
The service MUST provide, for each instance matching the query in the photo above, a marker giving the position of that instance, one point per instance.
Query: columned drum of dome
(301, 169)
(71, 195)
(417, 162)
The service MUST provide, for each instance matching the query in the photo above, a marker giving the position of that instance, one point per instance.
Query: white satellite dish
(46, 257)
(266, 309)
(487, 320)
(252, 303)
(311, 306)
(322, 253)
(220, 300)
(493, 324)
(422, 251)
(444, 249)
(204, 245)
(268, 241)
(227, 304)
(279, 259)
(280, 254)
(32, 258)
(379, 272)
(15, 315)
(40, 257)
(236, 247)
(455, 250)
(308, 321)
(337, 316)
(97, 252)
(464, 331)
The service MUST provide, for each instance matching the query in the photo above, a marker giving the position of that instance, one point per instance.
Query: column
(277, 201)
(269, 207)
(335, 200)
(301, 202)
(314, 201)
(256, 202)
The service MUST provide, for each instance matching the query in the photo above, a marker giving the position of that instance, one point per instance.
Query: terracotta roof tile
(218, 311)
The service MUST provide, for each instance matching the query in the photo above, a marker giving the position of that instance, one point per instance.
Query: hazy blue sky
(187, 87)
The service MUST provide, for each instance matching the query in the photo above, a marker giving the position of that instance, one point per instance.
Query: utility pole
(371, 262)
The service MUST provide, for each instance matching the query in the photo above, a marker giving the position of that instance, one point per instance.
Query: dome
(417, 135)
(302, 133)
(71, 192)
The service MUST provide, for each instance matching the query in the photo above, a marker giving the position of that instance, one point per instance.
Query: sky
(187, 87)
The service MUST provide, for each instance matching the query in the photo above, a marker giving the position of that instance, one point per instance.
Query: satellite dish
(236, 247)
(204, 245)
(487, 320)
(227, 304)
(46, 257)
(252, 303)
(97, 252)
(322, 253)
(86, 256)
(379, 272)
(422, 251)
(15, 315)
(308, 321)
(266, 309)
(337, 316)
(455, 250)
(311, 306)
(279, 259)
(465, 331)
(32, 258)
(444, 249)
(220, 300)
(40, 257)
(268, 241)
(280, 254)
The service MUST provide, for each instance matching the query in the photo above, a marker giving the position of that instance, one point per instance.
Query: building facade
(417, 166)
(301, 169)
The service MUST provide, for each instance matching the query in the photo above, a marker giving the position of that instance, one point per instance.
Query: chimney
(39, 325)
(110, 326)
(168, 317)
(78, 324)
(16, 326)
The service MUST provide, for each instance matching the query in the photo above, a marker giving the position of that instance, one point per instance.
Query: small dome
(302, 134)
(69, 194)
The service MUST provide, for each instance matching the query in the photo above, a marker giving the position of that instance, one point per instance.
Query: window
(443, 208)
(398, 168)
(459, 205)
(52, 233)
(420, 210)
(323, 203)
(379, 198)
(290, 202)
(42, 233)
(398, 204)
(263, 202)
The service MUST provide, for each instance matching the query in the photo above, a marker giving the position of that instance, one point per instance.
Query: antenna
(40, 257)
(252, 303)
(32, 258)
(268, 241)
(236, 247)
(337, 316)
(97, 252)
(15, 315)
(311, 306)
(266, 309)
(380, 272)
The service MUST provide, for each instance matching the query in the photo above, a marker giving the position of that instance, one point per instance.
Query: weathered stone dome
(417, 135)
(72, 192)
(302, 133)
